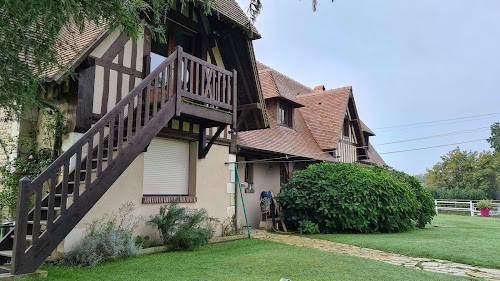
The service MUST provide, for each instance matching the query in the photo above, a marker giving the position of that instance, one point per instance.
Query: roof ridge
(326, 92)
(279, 73)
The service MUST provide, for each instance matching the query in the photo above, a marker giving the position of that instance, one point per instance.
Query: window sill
(161, 199)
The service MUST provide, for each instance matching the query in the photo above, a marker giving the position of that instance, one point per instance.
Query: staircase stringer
(50, 239)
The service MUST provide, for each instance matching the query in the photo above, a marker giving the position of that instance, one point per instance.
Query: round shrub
(425, 210)
(345, 197)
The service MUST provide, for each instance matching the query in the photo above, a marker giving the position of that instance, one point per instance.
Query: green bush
(484, 204)
(425, 210)
(347, 198)
(107, 238)
(458, 193)
(183, 228)
(308, 227)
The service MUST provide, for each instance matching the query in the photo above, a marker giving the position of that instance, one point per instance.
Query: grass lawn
(474, 240)
(245, 260)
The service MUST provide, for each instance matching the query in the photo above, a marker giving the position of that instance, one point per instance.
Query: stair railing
(57, 177)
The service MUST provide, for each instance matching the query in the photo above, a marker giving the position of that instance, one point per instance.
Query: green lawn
(245, 260)
(474, 240)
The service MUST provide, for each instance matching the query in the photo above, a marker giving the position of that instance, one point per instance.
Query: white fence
(463, 206)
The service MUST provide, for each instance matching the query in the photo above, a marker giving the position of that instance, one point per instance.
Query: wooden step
(28, 237)
(47, 208)
(6, 253)
(43, 222)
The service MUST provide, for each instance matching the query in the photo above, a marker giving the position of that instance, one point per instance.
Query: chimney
(319, 88)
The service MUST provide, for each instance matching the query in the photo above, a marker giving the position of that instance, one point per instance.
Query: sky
(407, 61)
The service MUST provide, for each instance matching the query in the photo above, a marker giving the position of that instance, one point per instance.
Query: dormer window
(285, 115)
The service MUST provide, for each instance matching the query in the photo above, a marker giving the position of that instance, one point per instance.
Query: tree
(494, 140)
(466, 170)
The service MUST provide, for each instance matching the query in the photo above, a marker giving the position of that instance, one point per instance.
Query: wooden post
(21, 227)
(436, 206)
(178, 85)
(471, 208)
(234, 127)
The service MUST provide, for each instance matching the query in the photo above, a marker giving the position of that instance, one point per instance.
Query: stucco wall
(266, 176)
(212, 177)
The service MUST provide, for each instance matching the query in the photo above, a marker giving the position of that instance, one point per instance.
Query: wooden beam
(250, 106)
(86, 79)
(202, 149)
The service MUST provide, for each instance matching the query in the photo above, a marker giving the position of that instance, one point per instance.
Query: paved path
(434, 265)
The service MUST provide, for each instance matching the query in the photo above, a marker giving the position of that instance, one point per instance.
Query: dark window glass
(285, 116)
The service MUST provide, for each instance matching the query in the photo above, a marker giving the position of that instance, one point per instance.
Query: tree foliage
(30, 37)
(494, 140)
(466, 170)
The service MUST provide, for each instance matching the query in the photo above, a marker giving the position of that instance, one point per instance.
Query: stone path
(434, 265)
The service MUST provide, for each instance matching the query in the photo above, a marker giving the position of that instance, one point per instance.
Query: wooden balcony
(205, 94)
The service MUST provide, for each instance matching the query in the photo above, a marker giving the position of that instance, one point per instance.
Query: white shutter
(166, 167)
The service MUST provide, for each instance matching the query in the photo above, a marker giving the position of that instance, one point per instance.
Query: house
(307, 126)
(147, 122)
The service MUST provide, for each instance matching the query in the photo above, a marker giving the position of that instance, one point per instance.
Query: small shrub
(308, 227)
(484, 204)
(228, 227)
(458, 193)
(183, 228)
(142, 241)
(345, 197)
(107, 238)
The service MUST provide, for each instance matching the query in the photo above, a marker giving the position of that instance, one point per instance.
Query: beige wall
(265, 177)
(212, 177)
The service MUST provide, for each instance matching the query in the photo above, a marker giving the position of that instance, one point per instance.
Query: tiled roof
(365, 128)
(73, 43)
(324, 113)
(231, 10)
(297, 142)
(374, 157)
(273, 87)
(294, 87)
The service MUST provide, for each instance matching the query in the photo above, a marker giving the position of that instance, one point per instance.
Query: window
(175, 36)
(166, 167)
(285, 115)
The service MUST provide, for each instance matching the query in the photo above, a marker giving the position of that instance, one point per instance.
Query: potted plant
(485, 207)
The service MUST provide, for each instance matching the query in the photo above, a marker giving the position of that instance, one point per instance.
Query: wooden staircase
(50, 206)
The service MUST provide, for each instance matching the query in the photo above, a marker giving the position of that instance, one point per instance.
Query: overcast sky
(407, 61)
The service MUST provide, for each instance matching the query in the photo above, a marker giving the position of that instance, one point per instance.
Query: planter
(485, 212)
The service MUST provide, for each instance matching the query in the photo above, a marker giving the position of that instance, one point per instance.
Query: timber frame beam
(203, 146)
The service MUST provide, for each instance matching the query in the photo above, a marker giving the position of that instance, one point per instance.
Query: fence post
(436, 206)
(21, 228)
(471, 208)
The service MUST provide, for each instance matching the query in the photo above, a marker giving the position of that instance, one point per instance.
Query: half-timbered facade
(148, 122)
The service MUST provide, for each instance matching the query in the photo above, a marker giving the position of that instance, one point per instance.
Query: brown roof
(324, 113)
(73, 44)
(297, 142)
(374, 157)
(294, 87)
(273, 87)
(231, 10)
(365, 128)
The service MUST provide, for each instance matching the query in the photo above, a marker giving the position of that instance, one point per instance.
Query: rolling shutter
(166, 167)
